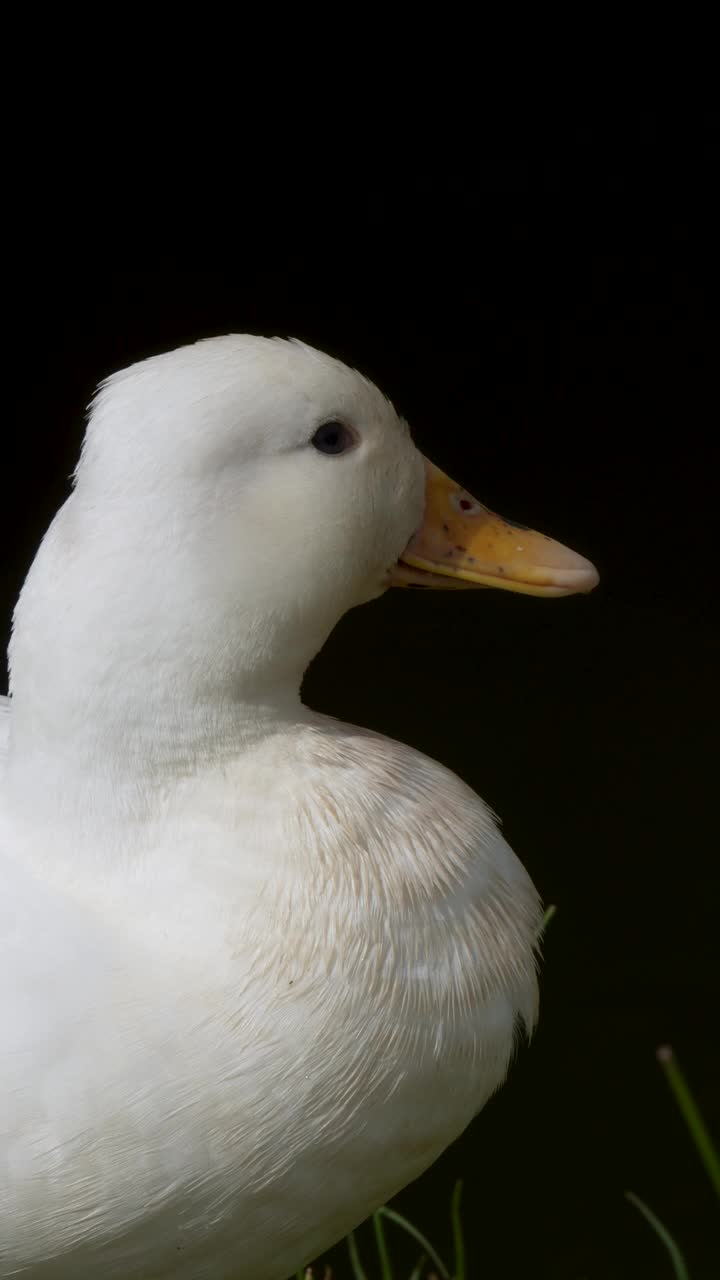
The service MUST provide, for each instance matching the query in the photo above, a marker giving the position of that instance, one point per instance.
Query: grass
(429, 1264)
(703, 1144)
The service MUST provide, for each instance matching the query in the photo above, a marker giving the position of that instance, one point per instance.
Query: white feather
(258, 967)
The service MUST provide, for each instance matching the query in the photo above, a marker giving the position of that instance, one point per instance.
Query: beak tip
(588, 577)
(578, 578)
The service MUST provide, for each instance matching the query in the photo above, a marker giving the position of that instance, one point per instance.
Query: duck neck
(116, 689)
(138, 742)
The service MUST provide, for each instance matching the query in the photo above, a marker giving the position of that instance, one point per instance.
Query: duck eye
(333, 437)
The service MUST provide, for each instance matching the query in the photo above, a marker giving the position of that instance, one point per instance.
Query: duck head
(233, 499)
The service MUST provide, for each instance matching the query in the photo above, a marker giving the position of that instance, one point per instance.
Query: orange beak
(462, 544)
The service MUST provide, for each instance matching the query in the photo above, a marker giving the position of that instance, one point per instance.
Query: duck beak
(462, 544)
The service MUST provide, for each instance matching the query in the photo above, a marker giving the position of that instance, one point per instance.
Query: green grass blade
(393, 1216)
(458, 1238)
(355, 1263)
(681, 1271)
(383, 1255)
(690, 1113)
(418, 1268)
(549, 913)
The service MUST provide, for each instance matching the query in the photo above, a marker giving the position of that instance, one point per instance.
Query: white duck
(259, 967)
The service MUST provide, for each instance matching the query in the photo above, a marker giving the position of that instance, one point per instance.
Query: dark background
(556, 360)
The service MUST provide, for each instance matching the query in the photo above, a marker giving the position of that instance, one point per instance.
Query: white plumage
(258, 967)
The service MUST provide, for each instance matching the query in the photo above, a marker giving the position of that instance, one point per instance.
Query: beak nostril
(465, 504)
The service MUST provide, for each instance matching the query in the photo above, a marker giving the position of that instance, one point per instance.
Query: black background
(554, 356)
